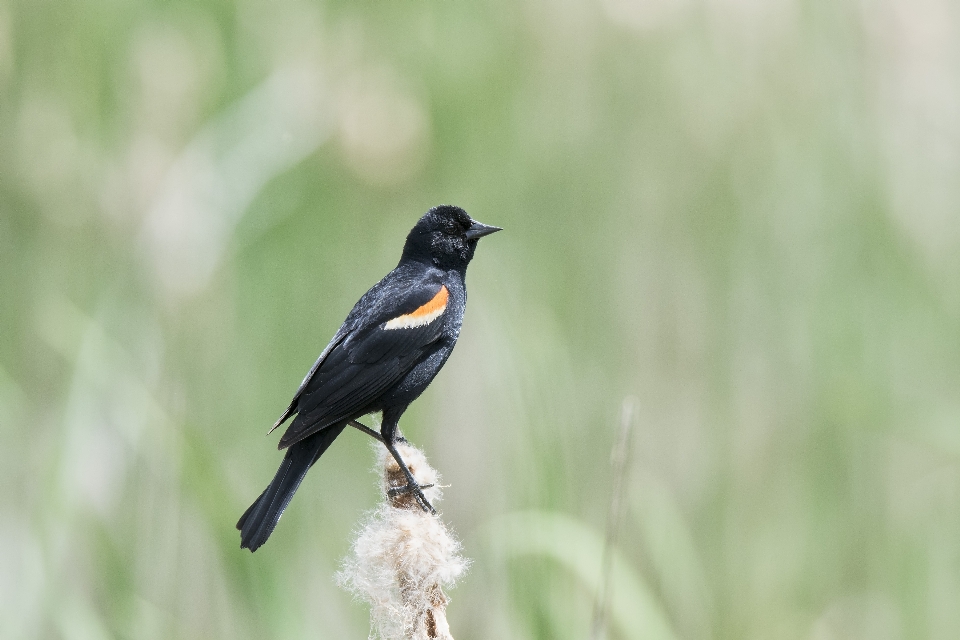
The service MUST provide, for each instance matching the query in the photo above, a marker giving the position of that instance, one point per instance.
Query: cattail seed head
(403, 557)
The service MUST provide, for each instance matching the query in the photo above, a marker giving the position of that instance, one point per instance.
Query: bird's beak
(478, 230)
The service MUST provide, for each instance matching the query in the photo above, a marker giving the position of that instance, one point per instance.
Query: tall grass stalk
(619, 458)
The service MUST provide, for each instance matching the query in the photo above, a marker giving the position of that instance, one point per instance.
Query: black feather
(258, 521)
(357, 370)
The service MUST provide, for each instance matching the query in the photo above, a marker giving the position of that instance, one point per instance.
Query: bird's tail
(257, 522)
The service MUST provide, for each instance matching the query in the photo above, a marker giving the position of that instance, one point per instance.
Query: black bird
(390, 347)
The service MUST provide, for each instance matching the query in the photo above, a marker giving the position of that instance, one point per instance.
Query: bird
(389, 349)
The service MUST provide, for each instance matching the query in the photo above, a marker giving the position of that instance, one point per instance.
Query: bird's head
(445, 236)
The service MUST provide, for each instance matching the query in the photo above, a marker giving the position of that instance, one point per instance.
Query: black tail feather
(258, 521)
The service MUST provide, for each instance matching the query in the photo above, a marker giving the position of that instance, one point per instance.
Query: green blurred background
(744, 213)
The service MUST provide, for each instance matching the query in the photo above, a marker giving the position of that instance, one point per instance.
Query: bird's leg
(398, 438)
(412, 485)
(389, 429)
(365, 429)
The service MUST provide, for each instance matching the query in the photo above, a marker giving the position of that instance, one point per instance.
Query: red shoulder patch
(422, 315)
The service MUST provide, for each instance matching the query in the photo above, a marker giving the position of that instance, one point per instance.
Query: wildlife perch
(390, 347)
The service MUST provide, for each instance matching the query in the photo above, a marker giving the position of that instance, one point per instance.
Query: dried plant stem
(403, 557)
(619, 459)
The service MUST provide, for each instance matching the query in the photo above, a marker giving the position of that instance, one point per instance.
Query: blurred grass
(743, 213)
(633, 607)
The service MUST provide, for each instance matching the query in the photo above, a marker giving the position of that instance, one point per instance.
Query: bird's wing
(292, 407)
(387, 340)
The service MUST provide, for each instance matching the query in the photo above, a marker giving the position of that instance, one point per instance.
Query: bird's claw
(416, 490)
(398, 491)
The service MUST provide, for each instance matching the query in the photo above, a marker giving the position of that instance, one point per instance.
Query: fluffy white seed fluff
(403, 557)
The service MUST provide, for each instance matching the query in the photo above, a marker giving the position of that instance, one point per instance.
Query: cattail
(403, 557)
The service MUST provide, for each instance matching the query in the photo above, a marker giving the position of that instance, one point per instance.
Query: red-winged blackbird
(388, 350)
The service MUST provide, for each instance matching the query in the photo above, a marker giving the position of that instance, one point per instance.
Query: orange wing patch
(423, 315)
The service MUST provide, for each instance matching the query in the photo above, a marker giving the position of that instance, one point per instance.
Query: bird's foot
(416, 490)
